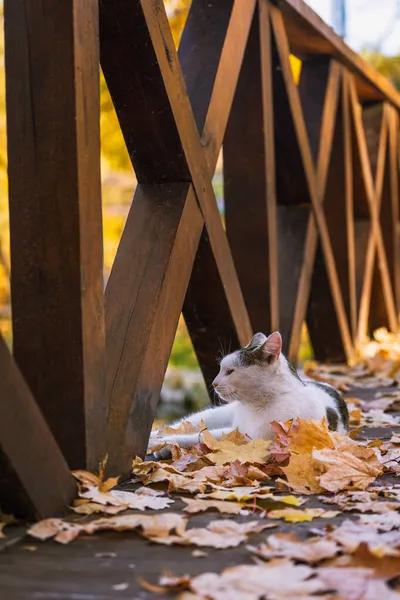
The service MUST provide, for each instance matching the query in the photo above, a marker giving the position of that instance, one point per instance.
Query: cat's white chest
(253, 424)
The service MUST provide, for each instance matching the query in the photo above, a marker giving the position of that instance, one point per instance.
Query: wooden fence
(311, 211)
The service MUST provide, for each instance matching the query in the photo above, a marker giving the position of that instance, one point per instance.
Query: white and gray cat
(259, 385)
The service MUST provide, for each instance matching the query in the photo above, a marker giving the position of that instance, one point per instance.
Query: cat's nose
(214, 383)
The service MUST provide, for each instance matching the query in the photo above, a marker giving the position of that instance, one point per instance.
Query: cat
(259, 385)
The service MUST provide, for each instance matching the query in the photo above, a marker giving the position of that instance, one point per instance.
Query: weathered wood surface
(53, 132)
(91, 566)
(34, 478)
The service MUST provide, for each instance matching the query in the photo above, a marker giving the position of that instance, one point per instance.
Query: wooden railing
(311, 213)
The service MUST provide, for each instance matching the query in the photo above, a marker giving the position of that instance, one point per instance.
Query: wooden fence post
(52, 79)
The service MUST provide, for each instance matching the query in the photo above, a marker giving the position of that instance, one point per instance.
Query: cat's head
(246, 375)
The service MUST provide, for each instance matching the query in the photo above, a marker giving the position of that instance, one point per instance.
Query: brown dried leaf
(275, 580)
(91, 508)
(221, 533)
(385, 567)
(355, 583)
(196, 505)
(356, 468)
(288, 545)
(152, 526)
(350, 534)
(185, 427)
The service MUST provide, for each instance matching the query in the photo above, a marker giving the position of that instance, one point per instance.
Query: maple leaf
(288, 545)
(275, 580)
(91, 508)
(152, 526)
(227, 451)
(350, 534)
(384, 566)
(298, 516)
(185, 427)
(301, 475)
(196, 505)
(348, 583)
(221, 533)
(345, 470)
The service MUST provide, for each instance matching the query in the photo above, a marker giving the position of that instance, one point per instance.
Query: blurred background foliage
(118, 180)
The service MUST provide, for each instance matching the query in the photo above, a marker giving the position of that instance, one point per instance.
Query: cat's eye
(229, 371)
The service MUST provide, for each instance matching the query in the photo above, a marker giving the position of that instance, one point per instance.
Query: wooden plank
(393, 124)
(160, 37)
(35, 481)
(309, 34)
(153, 262)
(375, 238)
(250, 174)
(157, 45)
(55, 217)
(326, 339)
(298, 233)
(126, 382)
(313, 183)
(211, 53)
(388, 217)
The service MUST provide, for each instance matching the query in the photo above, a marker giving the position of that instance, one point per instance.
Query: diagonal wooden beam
(375, 237)
(250, 173)
(53, 115)
(313, 183)
(153, 263)
(131, 318)
(35, 481)
(211, 53)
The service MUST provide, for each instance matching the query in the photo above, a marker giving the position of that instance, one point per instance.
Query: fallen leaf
(196, 505)
(221, 533)
(152, 526)
(350, 534)
(344, 470)
(227, 451)
(185, 427)
(385, 567)
(275, 580)
(355, 583)
(140, 501)
(91, 508)
(298, 516)
(302, 474)
(288, 545)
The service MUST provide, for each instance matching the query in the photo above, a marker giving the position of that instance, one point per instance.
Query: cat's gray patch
(294, 372)
(339, 402)
(332, 418)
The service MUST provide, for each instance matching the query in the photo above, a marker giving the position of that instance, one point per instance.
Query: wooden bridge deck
(108, 566)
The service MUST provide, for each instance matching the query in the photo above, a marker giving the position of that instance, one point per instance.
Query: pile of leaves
(339, 493)
(307, 473)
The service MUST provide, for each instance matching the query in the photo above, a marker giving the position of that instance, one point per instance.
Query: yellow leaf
(185, 427)
(299, 516)
(301, 474)
(310, 434)
(227, 451)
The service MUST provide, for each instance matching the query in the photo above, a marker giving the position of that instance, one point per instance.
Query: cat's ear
(270, 349)
(272, 346)
(256, 341)
(264, 348)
